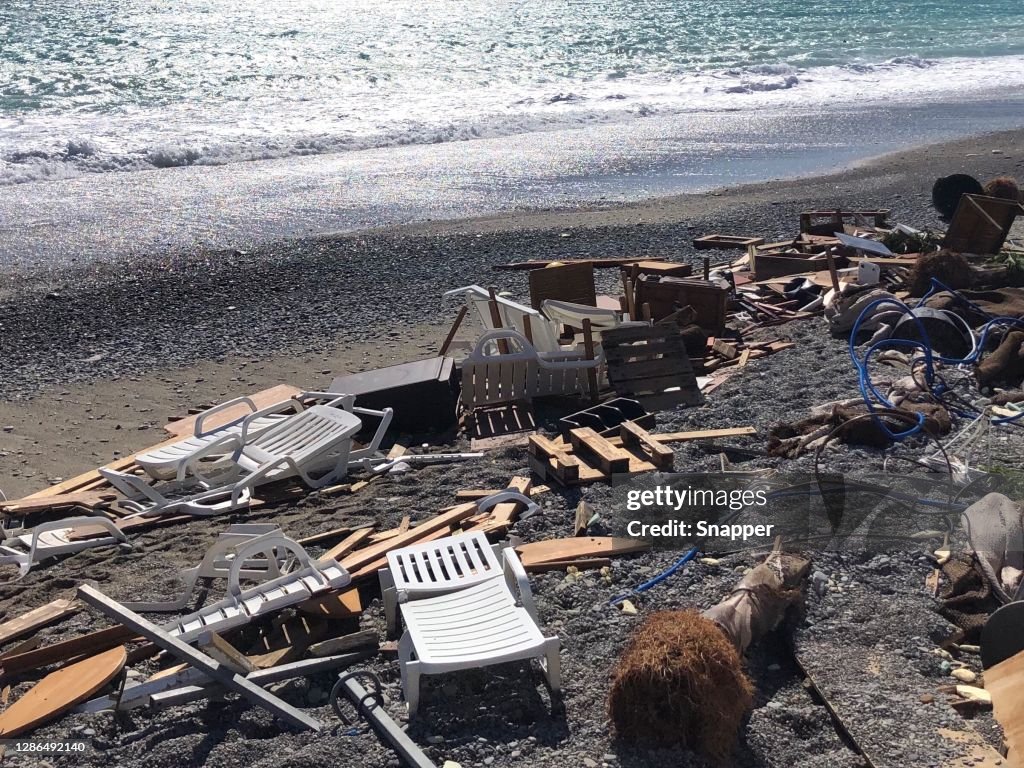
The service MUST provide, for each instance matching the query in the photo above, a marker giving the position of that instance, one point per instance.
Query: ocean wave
(32, 152)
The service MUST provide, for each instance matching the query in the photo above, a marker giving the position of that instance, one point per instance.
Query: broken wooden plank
(37, 618)
(66, 650)
(230, 680)
(223, 652)
(363, 557)
(739, 242)
(1005, 683)
(266, 397)
(30, 505)
(554, 550)
(348, 544)
(583, 564)
(584, 512)
(631, 433)
(363, 639)
(334, 606)
(610, 459)
(60, 691)
(542, 263)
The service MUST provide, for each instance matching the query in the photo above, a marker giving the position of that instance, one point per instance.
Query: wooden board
(36, 618)
(556, 550)
(610, 459)
(348, 544)
(29, 505)
(334, 606)
(66, 650)
(61, 690)
(566, 282)
(595, 263)
(1005, 682)
(264, 398)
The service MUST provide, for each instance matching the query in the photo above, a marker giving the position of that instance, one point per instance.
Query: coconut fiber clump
(951, 268)
(1005, 187)
(680, 682)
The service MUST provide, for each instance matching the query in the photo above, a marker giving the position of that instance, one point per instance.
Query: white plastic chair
(314, 445)
(448, 564)
(26, 547)
(490, 622)
(490, 376)
(513, 317)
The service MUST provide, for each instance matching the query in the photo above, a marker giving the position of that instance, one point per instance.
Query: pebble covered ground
(315, 294)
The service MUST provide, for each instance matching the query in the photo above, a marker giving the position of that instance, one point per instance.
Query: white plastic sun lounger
(448, 564)
(314, 445)
(26, 547)
(242, 606)
(170, 461)
(491, 622)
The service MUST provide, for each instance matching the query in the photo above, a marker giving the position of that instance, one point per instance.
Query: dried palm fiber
(948, 266)
(1005, 187)
(680, 680)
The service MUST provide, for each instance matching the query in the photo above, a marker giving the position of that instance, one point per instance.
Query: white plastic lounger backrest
(512, 315)
(454, 561)
(303, 436)
(490, 377)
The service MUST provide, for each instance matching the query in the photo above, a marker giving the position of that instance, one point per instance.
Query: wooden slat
(94, 642)
(632, 433)
(555, 550)
(30, 505)
(36, 618)
(367, 555)
(348, 544)
(584, 564)
(610, 459)
(1005, 682)
(264, 398)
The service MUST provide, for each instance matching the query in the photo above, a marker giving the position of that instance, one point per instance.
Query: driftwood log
(680, 680)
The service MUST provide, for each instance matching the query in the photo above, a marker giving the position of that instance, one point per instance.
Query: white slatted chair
(492, 621)
(312, 578)
(448, 564)
(26, 547)
(513, 316)
(490, 377)
(314, 445)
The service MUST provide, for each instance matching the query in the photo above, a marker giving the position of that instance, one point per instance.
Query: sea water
(105, 85)
(141, 126)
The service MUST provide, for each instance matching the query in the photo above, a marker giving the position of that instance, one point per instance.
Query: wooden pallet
(650, 363)
(589, 458)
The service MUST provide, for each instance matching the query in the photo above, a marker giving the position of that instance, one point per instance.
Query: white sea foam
(46, 146)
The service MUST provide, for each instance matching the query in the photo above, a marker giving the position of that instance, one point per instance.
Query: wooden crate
(981, 224)
(565, 282)
(769, 265)
(726, 241)
(650, 363)
(810, 221)
(671, 294)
